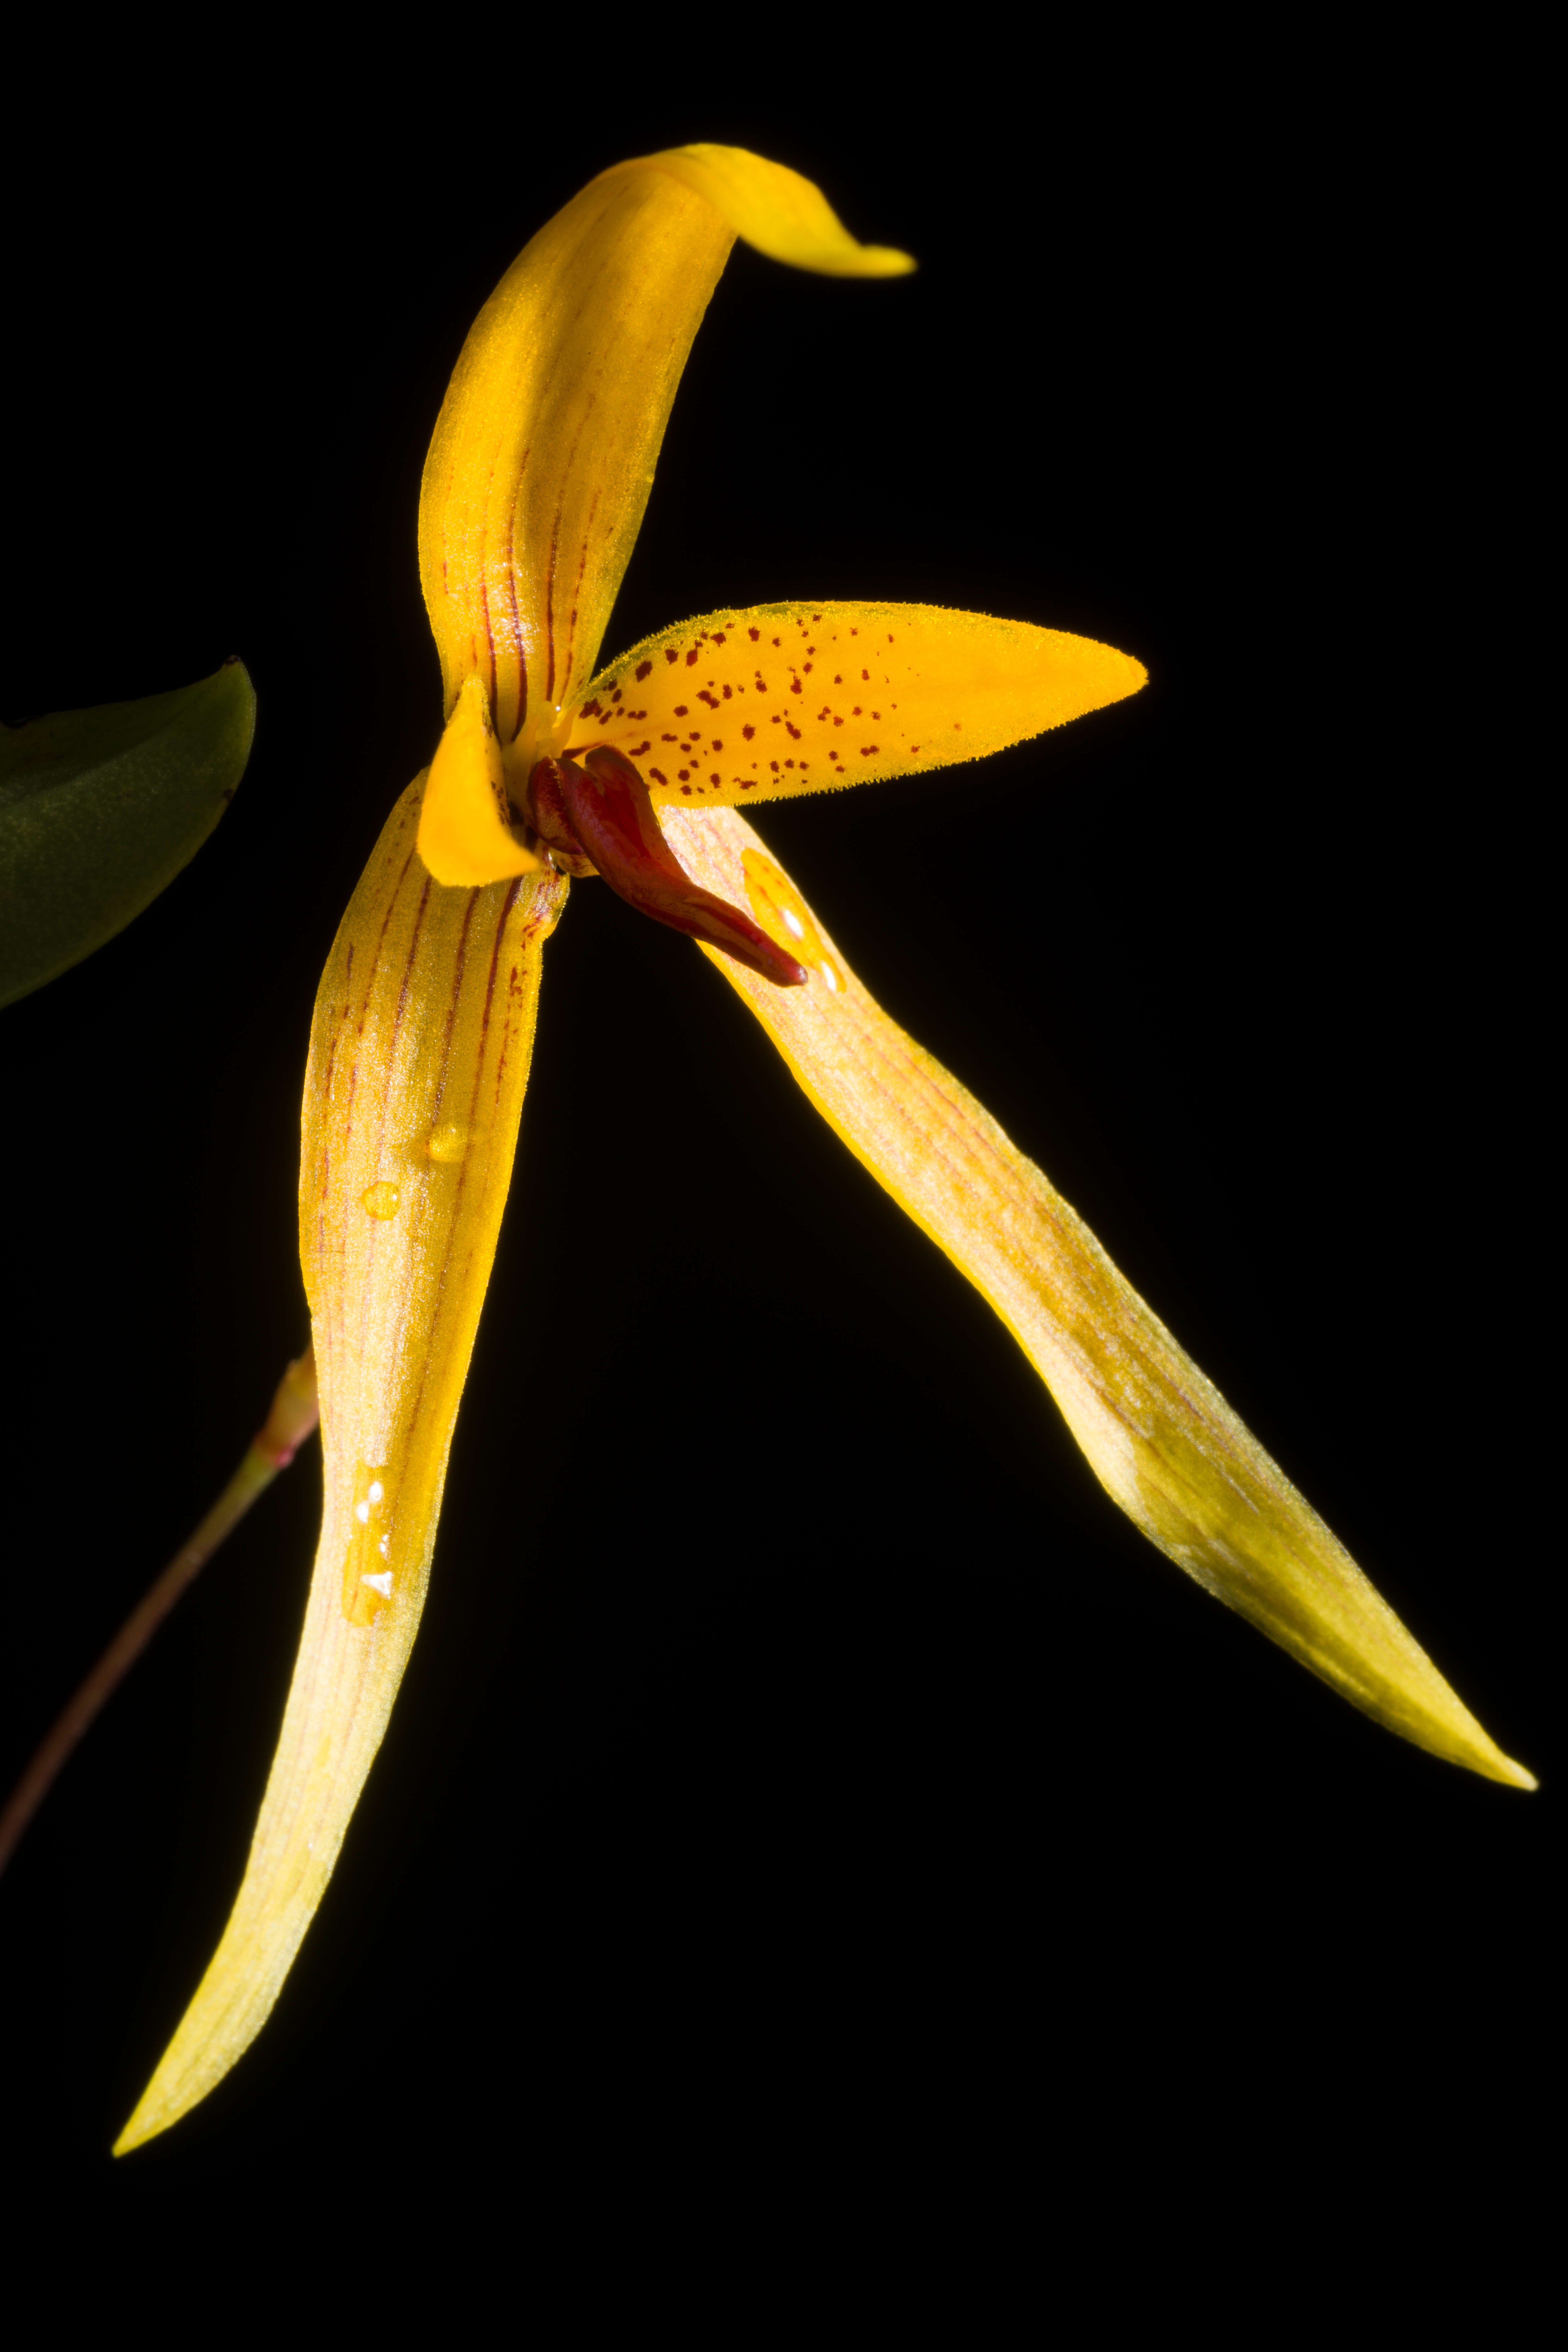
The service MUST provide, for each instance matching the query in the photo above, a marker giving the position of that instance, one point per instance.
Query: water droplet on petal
(783, 914)
(447, 1144)
(380, 1199)
(367, 1584)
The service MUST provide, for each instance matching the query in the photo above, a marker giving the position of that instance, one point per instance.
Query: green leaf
(99, 811)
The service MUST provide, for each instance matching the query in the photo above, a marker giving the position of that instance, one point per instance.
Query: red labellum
(600, 810)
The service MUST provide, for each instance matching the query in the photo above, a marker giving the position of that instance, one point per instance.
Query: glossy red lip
(599, 812)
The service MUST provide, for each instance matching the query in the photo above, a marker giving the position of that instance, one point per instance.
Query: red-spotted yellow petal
(419, 1055)
(545, 447)
(758, 704)
(1162, 1441)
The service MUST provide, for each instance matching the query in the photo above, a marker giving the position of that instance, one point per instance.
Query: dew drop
(783, 914)
(447, 1144)
(380, 1199)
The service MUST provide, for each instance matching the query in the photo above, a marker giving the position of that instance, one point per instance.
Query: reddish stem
(292, 1418)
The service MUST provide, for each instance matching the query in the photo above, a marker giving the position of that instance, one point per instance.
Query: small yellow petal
(1160, 1438)
(422, 1030)
(465, 832)
(761, 703)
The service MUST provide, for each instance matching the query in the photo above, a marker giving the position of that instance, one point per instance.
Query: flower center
(595, 817)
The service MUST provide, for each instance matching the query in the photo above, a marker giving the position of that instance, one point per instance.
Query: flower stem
(293, 1416)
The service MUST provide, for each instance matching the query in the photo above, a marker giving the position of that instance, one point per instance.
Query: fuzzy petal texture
(419, 1056)
(765, 702)
(1158, 1435)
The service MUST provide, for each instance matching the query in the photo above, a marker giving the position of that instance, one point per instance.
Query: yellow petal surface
(465, 827)
(759, 704)
(544, 450)
(419, 1055)
(1162, 1441)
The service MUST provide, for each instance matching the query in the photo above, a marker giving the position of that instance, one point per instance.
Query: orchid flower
(548, 768)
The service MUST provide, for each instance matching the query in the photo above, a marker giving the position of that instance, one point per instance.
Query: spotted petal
(763, 703)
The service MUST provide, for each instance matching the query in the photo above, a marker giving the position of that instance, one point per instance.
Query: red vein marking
(455, 1214)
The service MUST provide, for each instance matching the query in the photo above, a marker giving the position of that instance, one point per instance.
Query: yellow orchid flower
(548, 768)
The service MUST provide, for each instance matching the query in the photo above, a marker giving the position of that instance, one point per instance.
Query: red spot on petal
(754, 634)
(748, 732)
(691, 656)
(672, 652)
(712, 780)
(659, 775)
(642, 671)
(681, 708)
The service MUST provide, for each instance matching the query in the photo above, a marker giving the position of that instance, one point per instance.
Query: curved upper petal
(762, 703)
(544, 450)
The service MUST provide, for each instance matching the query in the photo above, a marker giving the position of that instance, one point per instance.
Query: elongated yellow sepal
(1160, 1438)
(760, 703)
(419, 1055)
(465, 831)
(544, 450)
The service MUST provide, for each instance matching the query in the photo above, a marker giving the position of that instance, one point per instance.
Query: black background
(840, 1792)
